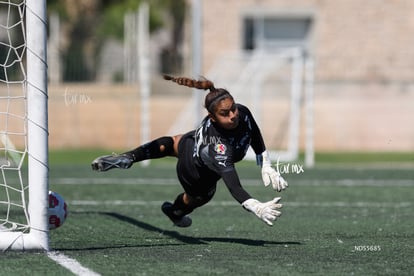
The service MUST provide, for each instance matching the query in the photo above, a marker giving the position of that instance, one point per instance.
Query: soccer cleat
(180, 221)
(107, 162)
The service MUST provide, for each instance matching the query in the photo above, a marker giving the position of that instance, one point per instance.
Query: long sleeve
(257, 142)
(232, 181)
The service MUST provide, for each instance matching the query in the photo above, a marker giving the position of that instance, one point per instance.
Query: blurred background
(329, 76)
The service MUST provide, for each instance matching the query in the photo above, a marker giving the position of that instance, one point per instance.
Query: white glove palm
(270, 175)
(266, 211)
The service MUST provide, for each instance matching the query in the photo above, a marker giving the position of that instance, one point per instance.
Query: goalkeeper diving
(207, 154)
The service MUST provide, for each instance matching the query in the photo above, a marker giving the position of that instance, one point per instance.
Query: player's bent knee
(166, 144)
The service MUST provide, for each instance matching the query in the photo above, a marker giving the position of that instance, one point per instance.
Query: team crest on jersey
(220, 148)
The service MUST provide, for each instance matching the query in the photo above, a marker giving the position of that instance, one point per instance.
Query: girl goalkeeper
(207, 154)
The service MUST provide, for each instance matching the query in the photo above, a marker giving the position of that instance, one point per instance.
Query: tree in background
(171, 56)
(86, 24)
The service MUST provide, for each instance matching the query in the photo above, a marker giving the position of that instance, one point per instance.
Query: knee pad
(168, 143)
(161, 147)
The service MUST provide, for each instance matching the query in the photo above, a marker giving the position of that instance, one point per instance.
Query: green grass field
(350, 215)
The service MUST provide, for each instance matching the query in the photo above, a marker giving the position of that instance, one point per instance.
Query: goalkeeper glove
(266, 211)
(270, 175)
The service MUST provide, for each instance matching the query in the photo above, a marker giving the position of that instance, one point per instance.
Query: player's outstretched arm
(266, 211)
(270, 175)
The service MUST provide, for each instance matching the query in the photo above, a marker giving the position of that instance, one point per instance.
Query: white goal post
(23, 126)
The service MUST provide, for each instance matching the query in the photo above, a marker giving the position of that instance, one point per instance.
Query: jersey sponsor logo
(220, 157)
(220, 148)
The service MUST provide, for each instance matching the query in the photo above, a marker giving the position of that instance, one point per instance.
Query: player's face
(227, 114)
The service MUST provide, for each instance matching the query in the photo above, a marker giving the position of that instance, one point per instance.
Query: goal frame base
(19, 241)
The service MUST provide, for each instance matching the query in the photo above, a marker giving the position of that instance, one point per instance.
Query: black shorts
(197, 181)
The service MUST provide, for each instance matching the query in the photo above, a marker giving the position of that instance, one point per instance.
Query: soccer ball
(57, 211)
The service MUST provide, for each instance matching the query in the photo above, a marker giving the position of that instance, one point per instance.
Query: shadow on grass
(193, 240)
(172, 234)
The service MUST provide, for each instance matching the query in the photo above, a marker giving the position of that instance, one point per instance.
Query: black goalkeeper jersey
(210, 152)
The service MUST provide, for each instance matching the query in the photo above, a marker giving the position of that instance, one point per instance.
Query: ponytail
(199, 84)
(213, 97)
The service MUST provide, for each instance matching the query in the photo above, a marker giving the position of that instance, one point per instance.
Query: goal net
(276, 86)
(23, 126)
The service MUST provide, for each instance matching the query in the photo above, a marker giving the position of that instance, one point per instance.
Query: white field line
(119, 202)
(249, 182)
(72, 265)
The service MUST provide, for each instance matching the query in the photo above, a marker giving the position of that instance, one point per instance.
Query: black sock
(161, 147)
(180, 208)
